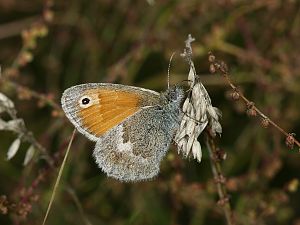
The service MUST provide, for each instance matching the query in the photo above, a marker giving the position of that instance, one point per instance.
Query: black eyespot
(85, 101)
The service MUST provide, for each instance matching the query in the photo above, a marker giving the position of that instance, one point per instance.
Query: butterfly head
(174, 94)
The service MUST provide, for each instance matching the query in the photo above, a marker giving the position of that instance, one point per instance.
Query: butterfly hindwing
(133, 150)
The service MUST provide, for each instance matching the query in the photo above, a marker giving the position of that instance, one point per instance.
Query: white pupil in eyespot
(85, 101)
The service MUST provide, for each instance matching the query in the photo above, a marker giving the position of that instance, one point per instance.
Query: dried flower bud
(290, 140)
(48, 15)
(265, 122)
(235, 95)
(41, 103)
(251, 112)
(24, 58)
(293, 185)
(23, 93)
(212, 68)
(224, 67)
(223, 201)
(55, 113)
(220, 155)
(11, 72)
(26, 34)
(41, 30)
(232, 184)
(220, 179)
(34, 30)
(3, 204)
(211, 57)
(49, 3)
(29, 38)
(23, 209)
(34, 198)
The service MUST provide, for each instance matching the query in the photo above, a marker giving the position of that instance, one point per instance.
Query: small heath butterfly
(132, 127)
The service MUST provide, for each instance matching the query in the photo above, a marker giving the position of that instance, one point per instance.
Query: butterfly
(132, 127)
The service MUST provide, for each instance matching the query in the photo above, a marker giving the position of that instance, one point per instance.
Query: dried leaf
(14, 147)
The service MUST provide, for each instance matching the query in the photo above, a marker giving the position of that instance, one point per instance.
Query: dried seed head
(235, 95)
(212, 68)
(198, 111)
(290, 140)
(265, 122)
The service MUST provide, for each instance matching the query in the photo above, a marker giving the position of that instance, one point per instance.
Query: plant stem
(219, 179)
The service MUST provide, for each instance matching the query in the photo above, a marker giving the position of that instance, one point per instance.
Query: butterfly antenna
(169, 67)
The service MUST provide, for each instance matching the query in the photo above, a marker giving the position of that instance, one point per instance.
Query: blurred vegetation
(46, 47)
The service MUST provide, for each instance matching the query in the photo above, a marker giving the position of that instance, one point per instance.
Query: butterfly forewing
(113, 108)
(110, 104)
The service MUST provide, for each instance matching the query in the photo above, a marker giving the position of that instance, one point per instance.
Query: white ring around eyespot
(87, 105)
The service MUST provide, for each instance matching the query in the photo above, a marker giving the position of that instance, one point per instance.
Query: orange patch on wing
(112, 108)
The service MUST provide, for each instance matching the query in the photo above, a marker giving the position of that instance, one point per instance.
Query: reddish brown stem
(220, 179)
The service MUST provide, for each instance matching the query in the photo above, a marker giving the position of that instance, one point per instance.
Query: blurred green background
(130, 42)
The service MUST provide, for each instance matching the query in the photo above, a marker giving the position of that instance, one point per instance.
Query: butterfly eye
(173, 95)
(85, 101)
